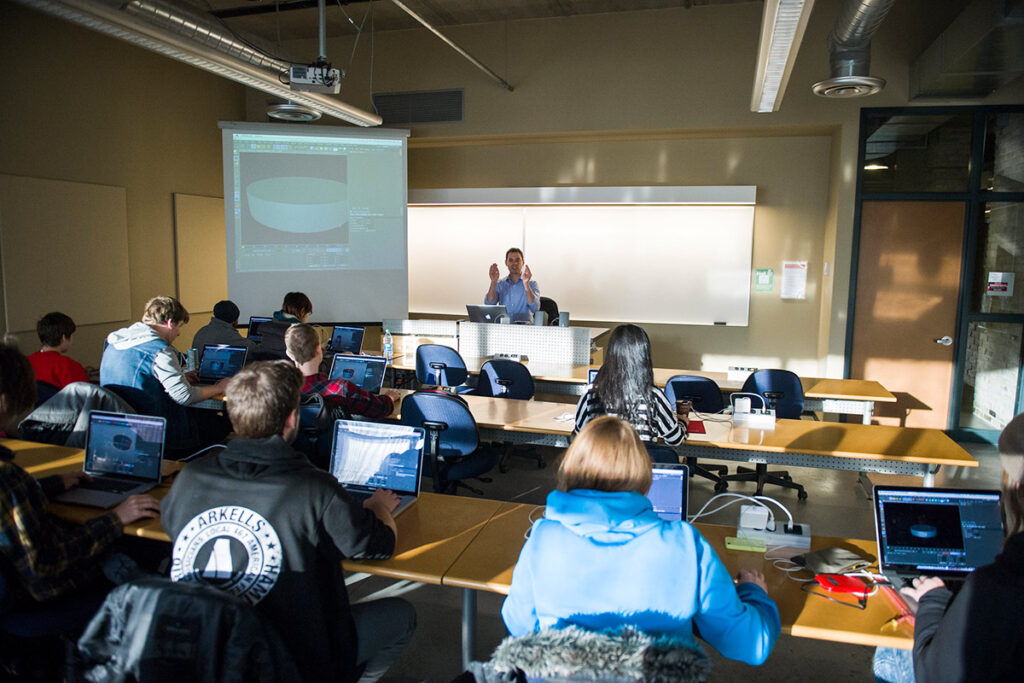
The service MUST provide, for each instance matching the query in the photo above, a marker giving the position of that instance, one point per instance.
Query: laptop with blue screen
(367, 456)
(219, 361)
(946, 533)
(346, 339)
(366, 372)
(123, 455)
(669, 491)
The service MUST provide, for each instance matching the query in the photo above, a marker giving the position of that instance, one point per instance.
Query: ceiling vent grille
(423, 106)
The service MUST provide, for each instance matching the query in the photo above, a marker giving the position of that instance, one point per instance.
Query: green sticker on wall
(764, 279)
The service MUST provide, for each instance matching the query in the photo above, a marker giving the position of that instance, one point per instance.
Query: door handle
(945, 341)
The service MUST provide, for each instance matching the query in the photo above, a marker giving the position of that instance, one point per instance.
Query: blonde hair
(607, 455)
(163, 309)
(301, 341)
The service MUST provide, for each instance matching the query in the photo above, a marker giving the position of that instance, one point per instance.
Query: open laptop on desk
(254, 327)
(669, 492)
(366, 456)
(219, 361)
(486, 314)
(946, 533)
(367, 372)
(123, 455)
(346, 339)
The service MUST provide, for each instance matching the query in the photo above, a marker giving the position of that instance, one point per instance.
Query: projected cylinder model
(298, 204)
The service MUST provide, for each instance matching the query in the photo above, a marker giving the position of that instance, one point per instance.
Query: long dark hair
(626, 378)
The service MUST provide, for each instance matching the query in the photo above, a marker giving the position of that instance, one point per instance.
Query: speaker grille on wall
(422, 106)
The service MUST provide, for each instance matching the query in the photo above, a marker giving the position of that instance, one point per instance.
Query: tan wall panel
(201, 251)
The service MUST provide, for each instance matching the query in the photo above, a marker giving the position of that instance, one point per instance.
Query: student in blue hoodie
(600, 558)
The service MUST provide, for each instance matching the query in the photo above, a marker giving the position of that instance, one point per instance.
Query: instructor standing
(517, 292)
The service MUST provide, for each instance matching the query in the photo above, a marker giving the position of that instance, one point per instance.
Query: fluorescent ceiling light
(782, 28)
(876, 167)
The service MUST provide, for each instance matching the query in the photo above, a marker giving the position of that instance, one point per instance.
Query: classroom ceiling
(297, 19)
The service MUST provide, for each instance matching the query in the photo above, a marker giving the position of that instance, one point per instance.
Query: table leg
(929, 476)
(468, 626)
(869, 409)
(865, 484)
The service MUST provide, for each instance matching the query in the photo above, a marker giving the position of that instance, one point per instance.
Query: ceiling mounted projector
(315, 78)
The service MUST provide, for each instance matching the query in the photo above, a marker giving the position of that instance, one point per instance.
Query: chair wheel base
(802, 495)
(721, 486)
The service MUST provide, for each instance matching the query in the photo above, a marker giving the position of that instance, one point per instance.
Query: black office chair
(441, 366)
(549, 307)
(512, 380)
(316, 425)
(450, 453)
(785, 395)
(706, 397)
(44, 392)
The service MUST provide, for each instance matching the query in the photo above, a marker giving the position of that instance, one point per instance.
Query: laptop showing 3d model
(219, 361)
(367, 372)
(123, 455)
(367, 456)
(346, 339)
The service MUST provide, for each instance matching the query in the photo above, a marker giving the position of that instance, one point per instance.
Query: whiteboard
(607, 261)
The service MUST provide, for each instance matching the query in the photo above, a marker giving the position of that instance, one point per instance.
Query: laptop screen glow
(668, 491)
(370, 455)
(346, 339)
(367, 372)
(220, 361)
(125, 445)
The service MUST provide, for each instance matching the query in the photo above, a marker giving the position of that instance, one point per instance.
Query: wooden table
(488, 561)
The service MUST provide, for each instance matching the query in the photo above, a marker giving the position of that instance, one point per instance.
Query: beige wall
(83, 107)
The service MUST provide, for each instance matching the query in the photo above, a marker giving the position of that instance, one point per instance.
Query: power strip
(755, 419)
(519, 357)
(799, 536)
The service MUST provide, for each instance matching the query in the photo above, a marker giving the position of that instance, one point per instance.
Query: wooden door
(908, 282)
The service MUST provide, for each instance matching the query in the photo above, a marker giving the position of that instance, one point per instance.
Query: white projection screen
(686, 263)
(316, 209)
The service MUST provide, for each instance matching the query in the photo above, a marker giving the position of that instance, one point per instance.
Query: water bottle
(388, 345)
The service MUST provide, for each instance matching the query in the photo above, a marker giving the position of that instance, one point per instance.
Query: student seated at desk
(50, 363)
(259, 521)
(601, 558)
(222, 328)
(50, 557)
(296, 308)
(975, 635)
(303, 348)
(625, 387)
(140, 365)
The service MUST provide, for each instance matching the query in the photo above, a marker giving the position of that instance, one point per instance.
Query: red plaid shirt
(352, 398)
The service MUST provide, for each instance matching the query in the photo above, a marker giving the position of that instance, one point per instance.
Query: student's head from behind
(1011, 454)
(166, 315)
(263, 399)
(514, 260)
(55, 330)
(607, 455)
(626, 371)
(227, 311)
(17, 387)
(302, 343)
(297, 304)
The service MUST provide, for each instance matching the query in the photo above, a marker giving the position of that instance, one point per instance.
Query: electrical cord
(740, 496)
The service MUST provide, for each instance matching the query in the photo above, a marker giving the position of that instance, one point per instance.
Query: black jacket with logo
(259, 521)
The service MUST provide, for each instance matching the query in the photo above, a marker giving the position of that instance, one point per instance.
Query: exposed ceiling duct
(168, 30)
(849, 48)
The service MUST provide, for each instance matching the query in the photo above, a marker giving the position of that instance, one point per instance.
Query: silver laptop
(486, 314)
(123, 455)
(366, 372)
(669, 492)
(219, 361)
(935, 532)
(346, 339)
(366, 456)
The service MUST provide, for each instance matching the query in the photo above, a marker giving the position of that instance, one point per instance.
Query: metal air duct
(849, 47)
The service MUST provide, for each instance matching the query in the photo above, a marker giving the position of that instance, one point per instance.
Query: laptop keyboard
(109, 485)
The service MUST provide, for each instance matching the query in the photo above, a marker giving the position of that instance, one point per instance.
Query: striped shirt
(655, 417)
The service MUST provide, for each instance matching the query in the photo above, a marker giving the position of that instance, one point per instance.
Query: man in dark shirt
(259, 521)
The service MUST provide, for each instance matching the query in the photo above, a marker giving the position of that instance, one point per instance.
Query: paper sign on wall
(794, 280)
(999, 284)
(764, 279)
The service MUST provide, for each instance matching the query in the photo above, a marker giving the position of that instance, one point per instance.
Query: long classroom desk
(473, 544)
(879, 449)
(487, 563)
(841, 396)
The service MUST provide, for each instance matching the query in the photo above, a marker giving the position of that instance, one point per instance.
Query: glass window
(1003, 170)
(917, 153)
(991, 375)
(999, 265)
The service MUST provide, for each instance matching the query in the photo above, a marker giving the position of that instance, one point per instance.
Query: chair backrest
(44, 392)
(660, 453)
(450, 426)
(705, 393)
(551, 308)
(781, 389)
(439, 366)
(505, 379)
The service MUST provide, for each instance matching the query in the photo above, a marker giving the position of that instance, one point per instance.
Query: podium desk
(488, 561)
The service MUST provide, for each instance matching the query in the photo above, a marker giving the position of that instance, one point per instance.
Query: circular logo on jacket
(229, 547)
